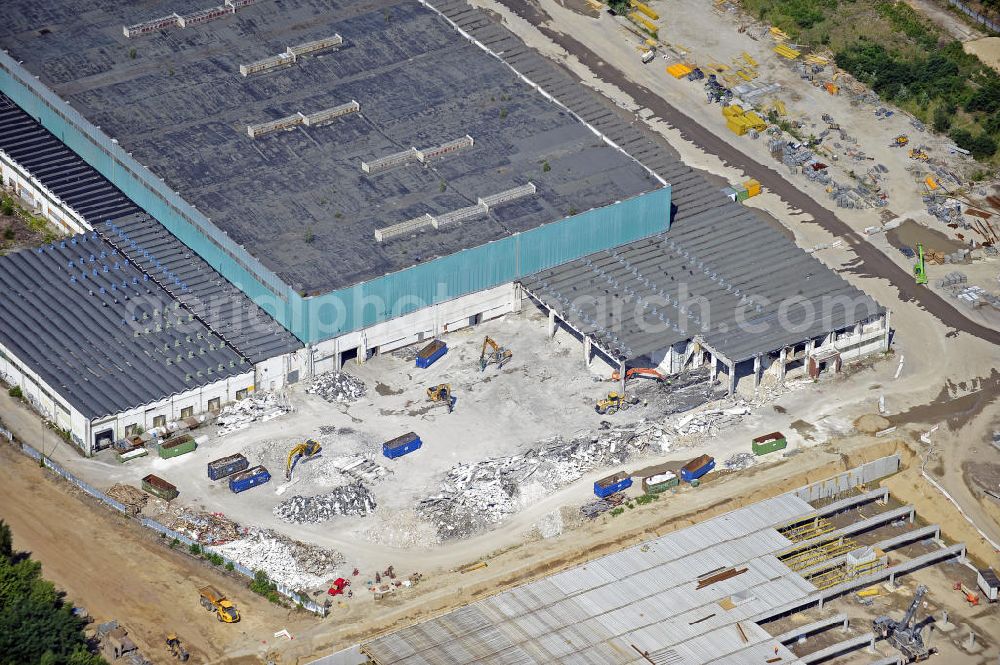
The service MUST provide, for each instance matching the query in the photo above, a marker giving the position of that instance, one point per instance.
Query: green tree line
(37, 626)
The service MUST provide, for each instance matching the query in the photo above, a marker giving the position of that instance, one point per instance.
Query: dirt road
(117, 572)
(871, 261)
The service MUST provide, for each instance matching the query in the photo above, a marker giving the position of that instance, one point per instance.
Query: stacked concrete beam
(204, 16)
(146, 27)
(290, 56)
(288, 122)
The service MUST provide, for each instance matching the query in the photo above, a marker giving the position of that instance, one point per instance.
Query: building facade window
(187, 412)
(215, 404)
(241, 394)
(132, 430)
(159, 421)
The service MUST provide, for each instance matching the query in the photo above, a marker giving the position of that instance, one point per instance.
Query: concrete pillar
(588, 349)
(732, 378)
(782, 361)
(810, 347)
(885, 335)
(517, 298)
(713, 373)
(553, 324)
(756, 372)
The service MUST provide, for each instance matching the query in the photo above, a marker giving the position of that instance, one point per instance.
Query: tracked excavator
(493, 354)
(304, 450)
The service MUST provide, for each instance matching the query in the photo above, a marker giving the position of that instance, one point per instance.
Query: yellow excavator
(614, 403)
(307, 449)
(442, 393)
(493, 353)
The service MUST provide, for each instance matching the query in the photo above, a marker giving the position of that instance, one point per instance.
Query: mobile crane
(904, 634)
(920, 267)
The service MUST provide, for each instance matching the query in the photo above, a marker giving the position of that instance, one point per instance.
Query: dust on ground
(986, 49)
(805, 429)
(115, 570)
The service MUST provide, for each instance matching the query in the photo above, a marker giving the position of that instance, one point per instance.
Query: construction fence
(152, 524)
(847, 481)
(975, 16)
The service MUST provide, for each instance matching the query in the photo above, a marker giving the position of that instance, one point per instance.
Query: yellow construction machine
(917, 153)
(900, 141)
(175, 648)
(493, 353)
(213, 599)
(442, 393)
(614, 403)
(308, 449)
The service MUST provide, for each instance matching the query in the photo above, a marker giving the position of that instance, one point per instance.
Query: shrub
(16, 393)
(615, 512)
(174, 543)
(545, 167)
(215, 559)
(229, 566)
(195, 549)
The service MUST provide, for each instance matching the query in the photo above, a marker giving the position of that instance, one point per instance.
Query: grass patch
(906, 59)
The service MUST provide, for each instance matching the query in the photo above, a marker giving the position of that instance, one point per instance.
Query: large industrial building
(309, 183)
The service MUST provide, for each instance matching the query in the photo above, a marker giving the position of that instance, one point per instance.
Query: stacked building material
(287, 562)
(259, 407)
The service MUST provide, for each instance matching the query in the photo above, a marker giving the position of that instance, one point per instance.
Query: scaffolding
(849, 571)
(326, 115)
(814, 528)
(812, 557)
(403, 228)
(389, 161)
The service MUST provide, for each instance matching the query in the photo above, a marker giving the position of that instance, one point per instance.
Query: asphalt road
(871, 261)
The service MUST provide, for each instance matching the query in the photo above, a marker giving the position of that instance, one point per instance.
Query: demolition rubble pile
(476, 496)
(133, 498)
(205, 528)
(705, 423)
(337, 387)
(287, 562)
(354, 499)
(739, 461)
(255, 408)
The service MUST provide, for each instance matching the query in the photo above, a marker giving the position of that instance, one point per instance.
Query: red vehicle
(339, 585)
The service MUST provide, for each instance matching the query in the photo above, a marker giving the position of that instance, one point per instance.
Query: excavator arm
(307, 449)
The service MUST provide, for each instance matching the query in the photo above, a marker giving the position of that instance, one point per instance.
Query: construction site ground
(942, 372)
(115, 570)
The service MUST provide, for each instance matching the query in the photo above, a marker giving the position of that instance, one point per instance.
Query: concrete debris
(259, 407)
(205, 528)
(600, 506)
(133, 498)
(354, 499)
(337, 387)
(709, 422)
(739, 461)
(477, 496)
(287, 562)
(407, 353)
(360, 468)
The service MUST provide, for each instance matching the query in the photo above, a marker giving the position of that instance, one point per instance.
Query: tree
(942, 119)
(36, 625)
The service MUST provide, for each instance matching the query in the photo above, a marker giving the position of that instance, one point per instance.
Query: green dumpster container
(178, 445)
(768, 443)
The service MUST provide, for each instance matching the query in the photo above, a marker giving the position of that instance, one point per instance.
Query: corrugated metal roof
(180, 271)
(100, 332)
(724, 275)
(644, 597)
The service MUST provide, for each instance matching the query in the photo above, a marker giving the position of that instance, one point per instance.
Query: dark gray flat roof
(100, 332)
(297, 199)
(723, 275)
(225, 309)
